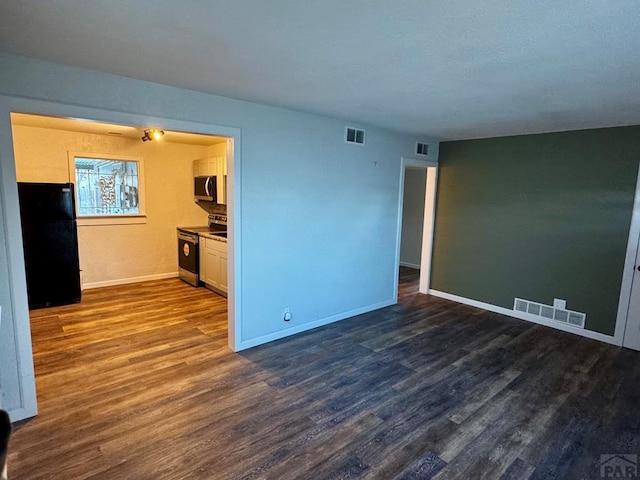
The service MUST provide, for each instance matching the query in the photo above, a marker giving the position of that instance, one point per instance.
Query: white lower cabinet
(213, 262)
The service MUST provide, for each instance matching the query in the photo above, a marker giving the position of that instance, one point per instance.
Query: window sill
(86, 221)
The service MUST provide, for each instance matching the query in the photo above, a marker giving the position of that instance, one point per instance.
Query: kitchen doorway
(118, 178)
(9, 179)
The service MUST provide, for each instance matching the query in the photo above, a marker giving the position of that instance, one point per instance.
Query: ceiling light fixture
(152, 134)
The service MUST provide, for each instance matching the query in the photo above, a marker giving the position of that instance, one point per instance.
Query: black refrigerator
(50, 240)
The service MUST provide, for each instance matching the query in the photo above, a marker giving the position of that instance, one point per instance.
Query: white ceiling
(448, 68)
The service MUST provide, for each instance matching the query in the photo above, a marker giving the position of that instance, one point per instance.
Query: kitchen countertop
(206, 232)
(220, 236)
(201, 228)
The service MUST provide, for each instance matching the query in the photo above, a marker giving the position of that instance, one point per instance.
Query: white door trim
(623, 332)
(429, 218)
(427, 229)
(11, 213)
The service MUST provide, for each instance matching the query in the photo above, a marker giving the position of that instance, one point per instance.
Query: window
(107, 187)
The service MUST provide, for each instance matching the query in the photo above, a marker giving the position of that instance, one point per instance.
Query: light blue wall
(319, 217)
(9, 383)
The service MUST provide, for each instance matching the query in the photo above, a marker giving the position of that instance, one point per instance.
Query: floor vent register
(548, 312)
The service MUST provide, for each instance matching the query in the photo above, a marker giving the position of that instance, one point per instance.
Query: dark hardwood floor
(137, 382)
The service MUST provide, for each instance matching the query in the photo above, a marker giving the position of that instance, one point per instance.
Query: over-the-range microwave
(205, 188)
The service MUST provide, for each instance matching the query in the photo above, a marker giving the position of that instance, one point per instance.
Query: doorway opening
(418, 184)
(120, 179)
(627, 331)
(118, 252)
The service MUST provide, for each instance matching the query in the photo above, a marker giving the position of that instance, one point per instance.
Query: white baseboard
(410, 265)
(528, 317)
(18, 414)
(254, 342)
(124, 281)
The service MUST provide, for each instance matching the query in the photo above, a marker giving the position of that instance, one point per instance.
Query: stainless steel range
(188, 247)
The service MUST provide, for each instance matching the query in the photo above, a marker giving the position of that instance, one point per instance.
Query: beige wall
(217, 150)
(112, 253)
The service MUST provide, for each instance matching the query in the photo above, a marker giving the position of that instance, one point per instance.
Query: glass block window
(107, 186)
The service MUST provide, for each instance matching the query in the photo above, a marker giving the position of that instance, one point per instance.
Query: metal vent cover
(354, 135)
(422, 148)
(577, 319)
(533, 308)
(561, 316)
(548, 312)
(520, 305)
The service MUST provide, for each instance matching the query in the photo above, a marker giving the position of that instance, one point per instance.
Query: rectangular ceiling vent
(548, 312)
(354, 135)
(422, 149)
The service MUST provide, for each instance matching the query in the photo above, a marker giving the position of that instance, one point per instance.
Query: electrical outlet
(287, 314)
(559, 303)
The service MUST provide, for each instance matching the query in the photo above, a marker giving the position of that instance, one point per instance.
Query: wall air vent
(422, 149)
(520, 305)
(548, 312)
(576, 319)
(354, 135)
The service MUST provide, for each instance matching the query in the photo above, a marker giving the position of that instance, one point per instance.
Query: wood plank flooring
(137, 382)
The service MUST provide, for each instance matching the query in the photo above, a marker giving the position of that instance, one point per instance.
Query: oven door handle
(207, 186)
(188, 238)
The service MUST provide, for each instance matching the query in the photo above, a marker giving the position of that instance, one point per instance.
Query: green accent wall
(537, 217)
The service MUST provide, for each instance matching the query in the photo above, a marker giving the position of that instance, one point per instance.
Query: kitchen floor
(137, 383)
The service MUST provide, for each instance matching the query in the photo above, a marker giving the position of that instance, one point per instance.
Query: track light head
(152, 134)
